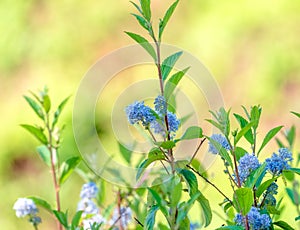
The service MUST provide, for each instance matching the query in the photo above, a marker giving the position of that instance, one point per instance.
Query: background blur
(251, 47)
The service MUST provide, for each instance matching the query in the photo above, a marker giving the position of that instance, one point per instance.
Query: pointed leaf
(46, 103)
(125, 152)
(243, 122)
(35, 106)
(243, 132)
(190, 179)
(67, 168)
(206, 209)
(168, 64)
(262, 188)
(173, 82)
(41, 202)
(160, 202)
(150, 218)
(62, 217)
(37, 133)
(45, 154)
(145, 4)
(255, 176)
(142, 21)
(243, 200)
(297, 114)
(268, 137)
(76, 218)
(166, 18)
(144, 43)
(293, 170)
(283, 225)
(192, 132)
(59, 110)
(166, 144)
(147, 162)
(231, 227)
(137, 7)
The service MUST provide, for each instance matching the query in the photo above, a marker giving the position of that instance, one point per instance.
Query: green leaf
(293, 170)
(150, 218)
(283, 225)
(160, 202)
(45, 154)
(185, 207)
(145, 4)
(268, 137)
(272, 210)
(173, 82)
(147, 162)
(168, 64)
(297, 114)
(192, 132)
(144, 43)
(175, 193)
(243, 122)
(46, 103)
(166, 18)
(166, 144)
(76, 218)
(216, 124)
(137, 7)
(142, 21)
(239, 152)
(41, 202)
(243, 132)
(199, 167)
(67, 168)
(35, 106)
(293, 195)
(37, 133)
(184, 224)
(223, 122)
(59, 110)
(243, 200)
(297, 218)
(125, 152)
(290, 135)
(190, 179)
(223, 153)
(162, 227)
(255, 176)
(206, 210)
(260, 190)
(62, 218)
(231, 228)
(255, 115)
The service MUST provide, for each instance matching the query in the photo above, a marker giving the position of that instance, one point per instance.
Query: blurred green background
(251, 47)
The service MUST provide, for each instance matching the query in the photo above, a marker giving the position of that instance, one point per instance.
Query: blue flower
(194, 226)
(95, 219)
(124, 215)
(221, 140)
(87, 206)
(24, 207)
(138, 112)
(159, 128)
(279, 162)
(256, 220)
(247, 164)
(89, 190)
(160, 105)
(272, 189)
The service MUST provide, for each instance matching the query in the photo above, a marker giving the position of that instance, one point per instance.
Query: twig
(139, 223)
(213, 185)
(196, 151)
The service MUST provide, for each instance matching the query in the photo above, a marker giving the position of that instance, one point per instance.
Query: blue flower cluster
(124, 215)
(139, 112)
(279, 162)
(90, 210)
(247, 164)
(26, 207)
(160, 105)
(221, 140)
(256, 220)
(89, 190)
(269, 199)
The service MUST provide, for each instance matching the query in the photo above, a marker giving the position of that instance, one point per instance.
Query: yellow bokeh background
(252, 48)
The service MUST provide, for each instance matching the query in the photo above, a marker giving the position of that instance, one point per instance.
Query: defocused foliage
(251, 47)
